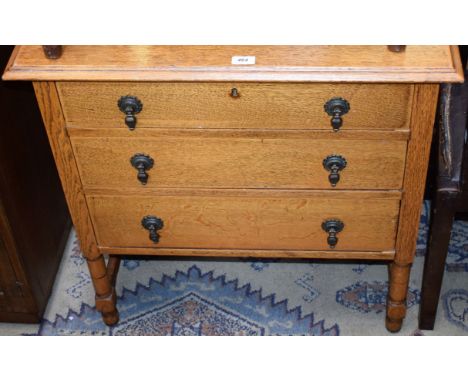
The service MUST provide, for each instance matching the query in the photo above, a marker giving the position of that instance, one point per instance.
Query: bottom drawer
(222, 219)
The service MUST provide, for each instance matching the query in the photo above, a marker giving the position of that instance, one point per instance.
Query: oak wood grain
(259, 105)
(49, 104)
(398, 290)
(201, 161)
(251, 253)
(244, 193)
(54, 122)
(326, 63)
(112, 270)
(254, 221)
(347, 135)
(202, 138)
(422, 123)
(417, 159)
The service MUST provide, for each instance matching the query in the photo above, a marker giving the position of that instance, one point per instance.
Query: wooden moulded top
(326, 63)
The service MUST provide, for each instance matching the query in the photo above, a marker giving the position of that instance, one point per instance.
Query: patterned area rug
(251, 297)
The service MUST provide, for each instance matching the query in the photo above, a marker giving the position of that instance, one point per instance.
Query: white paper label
(243, 60)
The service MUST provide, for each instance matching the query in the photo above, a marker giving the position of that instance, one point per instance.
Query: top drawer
(250, 105)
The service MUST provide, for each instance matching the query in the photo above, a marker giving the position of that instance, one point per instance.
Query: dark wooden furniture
(52, 51)
(34, 219)
(263, 151)
(451, 191)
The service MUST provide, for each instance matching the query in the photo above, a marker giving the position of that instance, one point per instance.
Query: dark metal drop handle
(142, 163)
(332, 227)
(336, 108)
(142, 175)
(153, 224)
(334, 164)
(130, 106)
(130, 119)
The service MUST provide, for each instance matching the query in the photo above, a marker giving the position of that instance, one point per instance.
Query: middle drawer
(214, 161)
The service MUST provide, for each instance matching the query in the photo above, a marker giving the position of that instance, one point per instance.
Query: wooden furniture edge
(54, 122)
(422, 122)
(57, 50)
(49, 105)
(352, 255)
(160, 132)
(11, 61)
(457, 64)
(211, 75)
(244, 192)
(228, 73)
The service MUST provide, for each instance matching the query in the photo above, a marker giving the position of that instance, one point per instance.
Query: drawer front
(211, 162)
(257, 105)
(248, 220)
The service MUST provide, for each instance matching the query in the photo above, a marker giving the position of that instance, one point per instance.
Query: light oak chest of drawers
(311, 152)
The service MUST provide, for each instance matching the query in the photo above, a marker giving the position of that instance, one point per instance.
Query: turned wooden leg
(397, 291)
(105, 292)
(434, 266)
(113, 269)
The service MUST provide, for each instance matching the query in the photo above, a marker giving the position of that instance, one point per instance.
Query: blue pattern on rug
(360, 268)
(76, 290)
(131, 264)
(457, 258)
(84, 279)
(456, 307)
(190, 315)
(76, 256)
(423, 229)
(366, 297)
(192, 303)
(305, 281)
(259, 265)
(195, 303)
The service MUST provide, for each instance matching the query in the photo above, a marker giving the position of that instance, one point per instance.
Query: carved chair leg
(105, 292)
(397, 291)
(434, 266)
